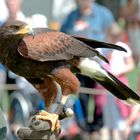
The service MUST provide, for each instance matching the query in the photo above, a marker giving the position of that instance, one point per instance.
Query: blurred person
(14, 10)
(128, 9)
(116, 113)
(89, 20)
(16, 13)
(133, 29)
(130, 13)
(61, 8)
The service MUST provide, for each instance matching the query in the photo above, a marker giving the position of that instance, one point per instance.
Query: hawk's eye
(16, 27)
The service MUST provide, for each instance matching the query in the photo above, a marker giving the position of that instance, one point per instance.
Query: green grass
(133, 79)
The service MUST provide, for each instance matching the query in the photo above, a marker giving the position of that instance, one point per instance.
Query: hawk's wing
(52, 45)
(49, 45)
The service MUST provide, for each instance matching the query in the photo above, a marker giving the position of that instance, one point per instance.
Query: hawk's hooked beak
(26, 30)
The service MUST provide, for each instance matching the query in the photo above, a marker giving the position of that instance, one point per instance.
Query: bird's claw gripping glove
(38, 129)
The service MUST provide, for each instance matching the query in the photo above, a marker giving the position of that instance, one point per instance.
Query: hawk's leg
(48, 89)
(51, 118)
(51, 93)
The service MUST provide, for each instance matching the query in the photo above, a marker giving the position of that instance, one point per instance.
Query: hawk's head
(16, 28)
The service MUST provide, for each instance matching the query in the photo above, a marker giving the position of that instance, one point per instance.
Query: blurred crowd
(98, 116)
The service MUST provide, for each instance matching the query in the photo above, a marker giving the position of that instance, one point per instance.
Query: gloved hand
(38, 130)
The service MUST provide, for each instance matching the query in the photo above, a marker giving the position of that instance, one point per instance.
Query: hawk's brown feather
(51, 46)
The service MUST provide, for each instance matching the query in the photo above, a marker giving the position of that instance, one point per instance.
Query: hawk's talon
(51, 118)
(43, 113)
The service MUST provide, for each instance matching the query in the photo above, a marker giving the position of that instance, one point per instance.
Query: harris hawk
(46, 57)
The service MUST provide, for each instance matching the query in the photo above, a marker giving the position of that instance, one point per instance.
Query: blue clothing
(97, 22)
(2, 67)
(1, 22)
